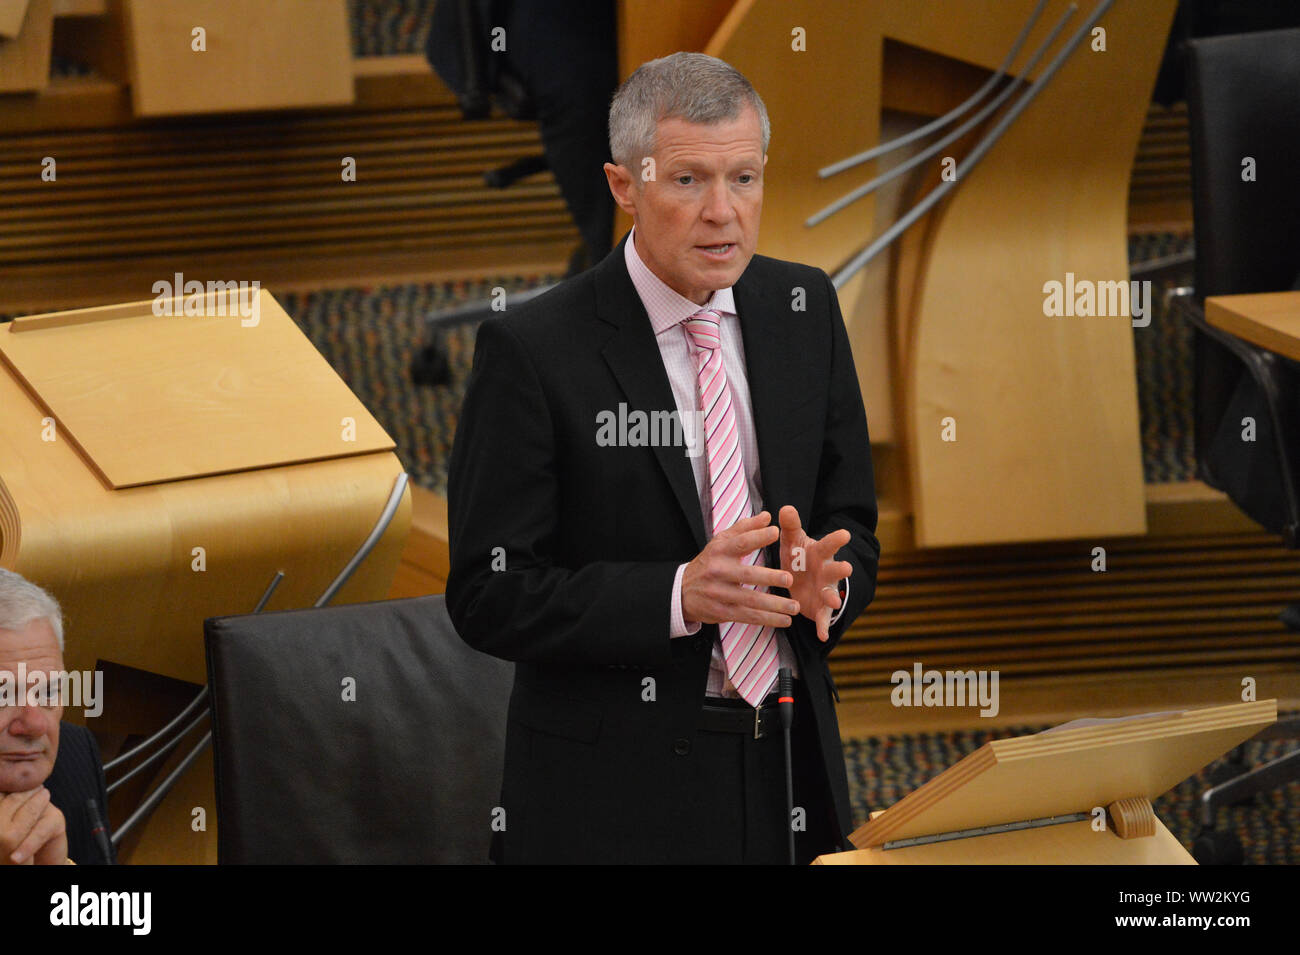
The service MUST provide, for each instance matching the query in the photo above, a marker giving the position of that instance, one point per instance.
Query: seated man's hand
(32, 829)
(816, 572)
(714, 584)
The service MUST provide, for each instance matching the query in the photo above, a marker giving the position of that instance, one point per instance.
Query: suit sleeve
(508, 592)
(846, 493)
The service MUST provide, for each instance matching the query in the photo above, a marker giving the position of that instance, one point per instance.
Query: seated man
(45, 784)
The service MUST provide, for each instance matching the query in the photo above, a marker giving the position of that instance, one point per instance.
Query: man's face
(29, 735)
(706, 193)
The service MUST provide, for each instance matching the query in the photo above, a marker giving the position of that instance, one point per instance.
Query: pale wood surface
(25, 58)
(151, 398)
(1038, 403)
(122, 561)
(1071, 843)
(261, 54)
(12, 13)
(1068, 771)
(1270, 320)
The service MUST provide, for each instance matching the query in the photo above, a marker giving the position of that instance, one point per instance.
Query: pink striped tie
(749, 649)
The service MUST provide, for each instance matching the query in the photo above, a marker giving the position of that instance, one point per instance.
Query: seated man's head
(31, 634)
(689, 135)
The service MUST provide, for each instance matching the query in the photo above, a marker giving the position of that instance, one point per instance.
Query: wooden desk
(1270, 320)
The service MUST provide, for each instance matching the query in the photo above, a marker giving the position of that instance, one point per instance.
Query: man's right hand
(32, 829)
(713, 584)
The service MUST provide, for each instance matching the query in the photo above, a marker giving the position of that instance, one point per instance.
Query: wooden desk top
(1270, 320)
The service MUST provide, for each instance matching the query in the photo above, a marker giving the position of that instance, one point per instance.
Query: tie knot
(702, 327)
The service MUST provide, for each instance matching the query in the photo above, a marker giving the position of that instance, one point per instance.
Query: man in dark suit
(634, 572)
(48, 770)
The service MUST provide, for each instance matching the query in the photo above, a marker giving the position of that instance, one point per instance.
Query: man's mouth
(720, 251)
(21, 757)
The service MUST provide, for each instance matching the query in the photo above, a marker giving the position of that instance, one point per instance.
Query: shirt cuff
(677, 627)
(844, 602)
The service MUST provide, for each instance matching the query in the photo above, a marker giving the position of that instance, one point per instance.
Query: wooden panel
(1061, 397)
(12, 13)
(260, 54)
(124, 565)
(25, 59)
(151, 398)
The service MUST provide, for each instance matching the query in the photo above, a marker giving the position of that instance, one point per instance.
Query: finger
(764, 576)
(832, 542)
(831, 597)
(792, 534)
(12, 802)
(749, 541)
(49, 826)
(752, 606)
(24, 823)
(823, 624)
(761, 519)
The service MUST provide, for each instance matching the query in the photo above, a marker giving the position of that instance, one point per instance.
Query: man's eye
(685, 180)
(745, 179)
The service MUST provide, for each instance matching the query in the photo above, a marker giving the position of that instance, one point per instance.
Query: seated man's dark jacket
(78, 776)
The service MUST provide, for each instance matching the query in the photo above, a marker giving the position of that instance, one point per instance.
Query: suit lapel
(633, 356)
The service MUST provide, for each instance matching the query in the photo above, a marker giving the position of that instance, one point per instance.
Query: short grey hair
(690, 86)
(21, 602)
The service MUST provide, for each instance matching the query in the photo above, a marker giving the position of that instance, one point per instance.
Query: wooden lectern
(159, 469)
(1078, 794)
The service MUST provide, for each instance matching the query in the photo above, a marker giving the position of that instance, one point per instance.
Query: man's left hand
(817, 574)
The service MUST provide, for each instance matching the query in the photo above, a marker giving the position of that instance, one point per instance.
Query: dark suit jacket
(591, 538)
(78, 775)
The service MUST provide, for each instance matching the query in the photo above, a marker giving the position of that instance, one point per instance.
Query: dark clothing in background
(565, 57)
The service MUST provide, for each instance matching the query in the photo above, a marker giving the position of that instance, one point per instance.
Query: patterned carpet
(882, 770)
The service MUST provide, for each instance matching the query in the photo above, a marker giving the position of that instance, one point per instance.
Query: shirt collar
(665, 306)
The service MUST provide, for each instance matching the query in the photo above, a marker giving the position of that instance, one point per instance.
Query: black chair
(365, 733)
(1243, 98)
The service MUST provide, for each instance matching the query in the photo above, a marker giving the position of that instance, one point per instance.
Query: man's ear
(622, 187)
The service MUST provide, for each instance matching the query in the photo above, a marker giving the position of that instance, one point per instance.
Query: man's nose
(24, 720)
(718, 204)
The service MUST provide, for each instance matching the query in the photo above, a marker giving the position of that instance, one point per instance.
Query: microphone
(785, 701)
(99, 830)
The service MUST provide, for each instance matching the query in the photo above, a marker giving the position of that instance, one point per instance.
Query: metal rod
(155, 797)
(139, 748)
(912, 162)
(394, 499)
(855, 264)
(171, 745)
(827, 171)
(165, 731)
(986, 830)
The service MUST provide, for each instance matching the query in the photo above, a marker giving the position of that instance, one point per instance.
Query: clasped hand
(718, 585)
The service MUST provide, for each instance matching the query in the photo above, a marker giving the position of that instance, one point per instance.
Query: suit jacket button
(682, 747)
